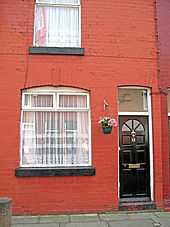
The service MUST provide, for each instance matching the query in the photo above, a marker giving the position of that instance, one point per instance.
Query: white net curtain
(55, 137)
(57, 23)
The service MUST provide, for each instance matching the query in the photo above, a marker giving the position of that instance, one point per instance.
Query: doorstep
(135, 204)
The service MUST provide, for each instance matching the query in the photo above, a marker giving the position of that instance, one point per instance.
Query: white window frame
(56, 92)
(41, 3)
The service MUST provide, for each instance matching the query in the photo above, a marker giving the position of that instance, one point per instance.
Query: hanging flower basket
(107, 130)
(107, 123)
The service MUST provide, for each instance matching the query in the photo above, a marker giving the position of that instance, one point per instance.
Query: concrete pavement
(116, 219)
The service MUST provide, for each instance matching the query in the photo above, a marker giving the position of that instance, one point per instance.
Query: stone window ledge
(56, 51)
(43, 172)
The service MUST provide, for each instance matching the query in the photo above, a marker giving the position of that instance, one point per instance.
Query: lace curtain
(55, 138)
(57, 25)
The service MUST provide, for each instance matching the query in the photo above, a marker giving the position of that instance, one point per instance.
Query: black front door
(134, 162)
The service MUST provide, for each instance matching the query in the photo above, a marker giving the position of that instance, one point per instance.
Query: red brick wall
(120, 49)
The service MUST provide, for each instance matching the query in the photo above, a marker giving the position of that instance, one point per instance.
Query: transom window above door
(132, 99)
(57, 23)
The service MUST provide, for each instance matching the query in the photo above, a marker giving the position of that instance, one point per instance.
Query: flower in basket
(107, 122)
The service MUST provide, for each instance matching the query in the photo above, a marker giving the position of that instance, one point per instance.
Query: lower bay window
(55, 132)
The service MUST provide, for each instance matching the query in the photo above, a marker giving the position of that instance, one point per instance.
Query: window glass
(55, 137)
(57, 26)
(37, 100)
(132, 100)
(74, 101)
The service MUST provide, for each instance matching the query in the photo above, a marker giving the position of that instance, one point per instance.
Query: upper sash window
(57, 23)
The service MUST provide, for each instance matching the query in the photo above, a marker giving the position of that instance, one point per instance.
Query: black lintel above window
(57, 50)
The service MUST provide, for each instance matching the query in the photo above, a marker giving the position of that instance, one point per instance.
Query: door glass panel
(129, 124)
(126, 140)
(140, 139)
(133, 131)
(136, 124)
(132, 100)
(125, 128)
(140, 128)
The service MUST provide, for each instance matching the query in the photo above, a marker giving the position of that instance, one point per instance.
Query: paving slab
(25, 219)
(163, 214)
(54, 219)
(89, 224)
(84, 218)
(165, 222)
(143, 216)
(38, 225)
(18, 225)
(113, 217)
(135, 223)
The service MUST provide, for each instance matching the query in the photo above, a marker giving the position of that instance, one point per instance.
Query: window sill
(43, 172)
(57, 50)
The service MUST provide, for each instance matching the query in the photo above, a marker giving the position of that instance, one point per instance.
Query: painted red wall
(120, 49)
(163, 29)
